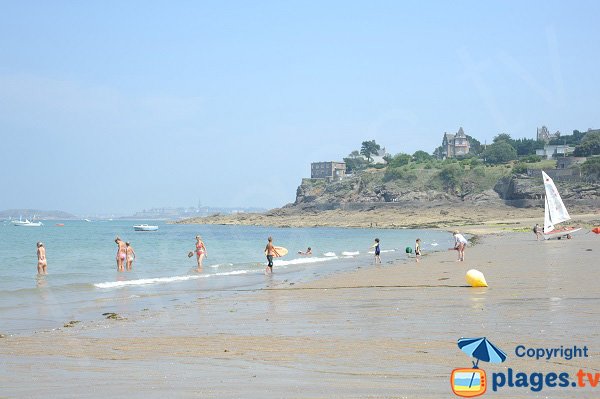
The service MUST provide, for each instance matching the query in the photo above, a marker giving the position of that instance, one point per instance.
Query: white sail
(555, 211)
(548, 226)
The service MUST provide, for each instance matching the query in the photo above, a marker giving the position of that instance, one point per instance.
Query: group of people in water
(126, 254)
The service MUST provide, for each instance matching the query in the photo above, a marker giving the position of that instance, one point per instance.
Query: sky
(119, 106)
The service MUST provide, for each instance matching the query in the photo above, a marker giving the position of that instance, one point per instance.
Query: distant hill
(38, 213)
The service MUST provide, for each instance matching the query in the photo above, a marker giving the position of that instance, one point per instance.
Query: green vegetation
(591, 168)
(369, 148)
(355, 162)
(570, 139)
(499, 152)
(461, 178)
(590, 145)
(477, 171)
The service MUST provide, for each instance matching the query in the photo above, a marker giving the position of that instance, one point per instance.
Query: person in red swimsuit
(201, 252)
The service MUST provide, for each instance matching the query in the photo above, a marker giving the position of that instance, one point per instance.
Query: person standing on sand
(201, 253)
(130, 255)
(270, 251)
(121, 253)
(42, 262)
(377, 251)
(460, 242)
(538, 231)
(418, 249)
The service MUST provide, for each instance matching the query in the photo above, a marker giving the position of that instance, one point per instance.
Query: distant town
(163, 213)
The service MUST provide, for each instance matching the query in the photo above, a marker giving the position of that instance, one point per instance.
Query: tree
(571, 139)
(475, 145)
(421, 156)
(591, 168)
(590, 145)
(503, 137)
(369, 148)
(499, 152)
(399, 160)
(354, 162)
(526, 146)
(437, 153)
(451, 175)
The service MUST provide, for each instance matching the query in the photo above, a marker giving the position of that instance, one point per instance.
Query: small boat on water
(144, 227)
(26, 223)
(555, 212)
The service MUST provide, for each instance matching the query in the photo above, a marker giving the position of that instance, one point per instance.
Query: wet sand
(385, 331)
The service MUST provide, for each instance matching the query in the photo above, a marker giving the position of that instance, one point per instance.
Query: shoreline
(410, 217)
(386, 331)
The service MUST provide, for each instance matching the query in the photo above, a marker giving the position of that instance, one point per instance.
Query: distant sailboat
(555, 211)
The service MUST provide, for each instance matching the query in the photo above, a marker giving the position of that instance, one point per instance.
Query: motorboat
(26, 223)
(144, 227)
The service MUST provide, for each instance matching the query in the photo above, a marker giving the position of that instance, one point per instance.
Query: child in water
(377, 251)
(418, 249)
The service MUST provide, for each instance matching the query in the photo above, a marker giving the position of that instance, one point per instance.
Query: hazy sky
(116, 106)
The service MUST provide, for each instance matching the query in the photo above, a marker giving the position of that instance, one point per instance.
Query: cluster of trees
(589, 144)
(503, 149)
(359, 160)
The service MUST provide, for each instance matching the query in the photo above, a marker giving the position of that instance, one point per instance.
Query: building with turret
(455, 145)
(543, 134)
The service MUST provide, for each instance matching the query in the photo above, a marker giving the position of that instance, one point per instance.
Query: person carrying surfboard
(271, 252)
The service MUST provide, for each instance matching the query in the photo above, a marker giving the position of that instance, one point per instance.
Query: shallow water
(83, 280)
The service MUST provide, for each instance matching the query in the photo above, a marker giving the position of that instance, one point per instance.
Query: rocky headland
(367, 200)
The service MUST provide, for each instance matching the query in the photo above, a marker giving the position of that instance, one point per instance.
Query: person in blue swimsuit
(377, 251)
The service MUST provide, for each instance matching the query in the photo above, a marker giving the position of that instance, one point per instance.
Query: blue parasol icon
(481, 349)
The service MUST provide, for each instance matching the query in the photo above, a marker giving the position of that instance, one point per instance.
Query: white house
(554, 150)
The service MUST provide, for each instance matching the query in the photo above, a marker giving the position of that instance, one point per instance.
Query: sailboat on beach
(555, 212)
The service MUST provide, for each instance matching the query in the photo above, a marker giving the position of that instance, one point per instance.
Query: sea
(83, 283)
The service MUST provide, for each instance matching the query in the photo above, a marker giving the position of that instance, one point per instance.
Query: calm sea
(83, 282)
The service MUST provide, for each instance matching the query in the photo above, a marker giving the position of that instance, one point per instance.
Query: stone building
(543, 134)
(327, 170)
(455, 145)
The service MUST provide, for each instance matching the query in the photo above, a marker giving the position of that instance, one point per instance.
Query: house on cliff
(327, 170)
(455, 145)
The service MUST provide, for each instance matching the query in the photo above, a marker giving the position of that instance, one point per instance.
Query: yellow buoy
(475, 278)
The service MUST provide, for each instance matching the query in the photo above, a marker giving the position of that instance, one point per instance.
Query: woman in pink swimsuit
(201, 252)
(121, 254)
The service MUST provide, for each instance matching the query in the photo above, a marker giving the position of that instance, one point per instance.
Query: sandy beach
(386, 331)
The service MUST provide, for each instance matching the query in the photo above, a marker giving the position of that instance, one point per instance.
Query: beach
(385, 331)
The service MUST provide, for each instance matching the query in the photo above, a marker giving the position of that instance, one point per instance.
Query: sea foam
(301, 261)
(163, 280)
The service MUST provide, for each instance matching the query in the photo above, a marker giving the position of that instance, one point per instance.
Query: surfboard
(280, 250)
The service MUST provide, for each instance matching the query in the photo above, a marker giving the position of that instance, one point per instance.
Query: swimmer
(201, 252)
(308, 252)
(121, 253)
(42, 262)
(130, 255)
